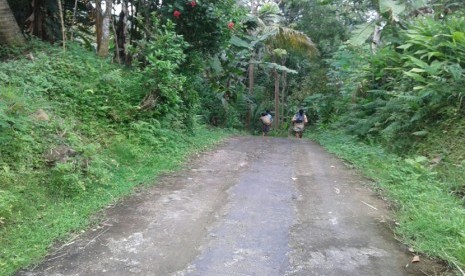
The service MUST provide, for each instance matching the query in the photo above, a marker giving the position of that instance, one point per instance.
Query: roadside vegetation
(397, 114)
(73, 143)
(94, 102)
(428, 216)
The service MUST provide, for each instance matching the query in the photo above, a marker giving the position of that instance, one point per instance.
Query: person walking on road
(298, 122)
(266, 123)
(268, 113)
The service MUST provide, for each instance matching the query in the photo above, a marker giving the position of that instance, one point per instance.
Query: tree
(278, 39)
(62, 23)
(269, 34)
(281, 39)
(383, 19)
(325, 22)
(205, 25)
(104, 35)
(122, 33)
(10, 34)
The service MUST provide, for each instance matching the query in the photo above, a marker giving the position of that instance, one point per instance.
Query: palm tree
(283, 38)
(277, 39)
(10, 34)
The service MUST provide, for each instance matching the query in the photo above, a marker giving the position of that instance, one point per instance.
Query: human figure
(268, 113)
(298, 122)
(266, 123)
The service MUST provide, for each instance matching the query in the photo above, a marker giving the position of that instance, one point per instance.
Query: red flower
(177, 13)
(231, 25)
(193, 3)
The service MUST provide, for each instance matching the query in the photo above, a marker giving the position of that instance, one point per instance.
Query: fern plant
(409, 85)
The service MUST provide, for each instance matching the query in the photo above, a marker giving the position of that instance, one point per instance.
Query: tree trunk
(283, 86)
(283, 92)
(376, 37)
(375, 43)
(10, 33)
(253, 11)
(135, 14)
(251, 85)
(254, 7)
(276, 97)
(40, 21)
(251, 76)
(147, 18)
(117, 50)
(122, 31)
(62, 22)
(74, 19)
(98, 23)
(105, 38)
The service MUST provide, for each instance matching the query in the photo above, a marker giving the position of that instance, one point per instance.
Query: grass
(92, 107)
(130, 164)
(446, 142)
(430, 218)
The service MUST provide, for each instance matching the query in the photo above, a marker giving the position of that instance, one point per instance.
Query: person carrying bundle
(299, 121)
(266, 123)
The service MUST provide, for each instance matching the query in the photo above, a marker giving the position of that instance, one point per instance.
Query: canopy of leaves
(204, 24)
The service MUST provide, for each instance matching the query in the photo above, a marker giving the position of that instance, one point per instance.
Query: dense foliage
(408, 96)
(409, 86)
(203, 24)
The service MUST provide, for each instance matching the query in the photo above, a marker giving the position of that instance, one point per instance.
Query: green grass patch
(430, 218)
(126, 162)
(445, 144)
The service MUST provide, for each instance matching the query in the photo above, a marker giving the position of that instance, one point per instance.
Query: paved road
(253, 206)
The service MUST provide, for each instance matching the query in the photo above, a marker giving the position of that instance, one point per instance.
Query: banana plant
(387, 12)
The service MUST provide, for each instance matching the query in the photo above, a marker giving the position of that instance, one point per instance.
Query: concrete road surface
(253, 206)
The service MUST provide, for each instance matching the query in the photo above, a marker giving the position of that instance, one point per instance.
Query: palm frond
(287, 38)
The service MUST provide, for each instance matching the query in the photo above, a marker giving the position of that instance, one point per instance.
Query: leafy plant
(407, 87)
(203, 24)
(161, 74)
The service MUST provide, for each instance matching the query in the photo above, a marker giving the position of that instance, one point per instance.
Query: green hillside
(72, 142)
